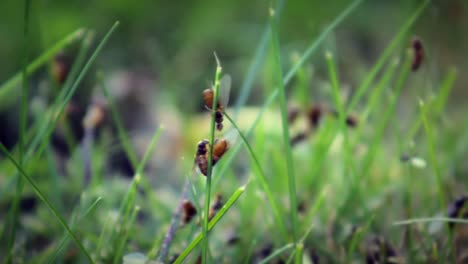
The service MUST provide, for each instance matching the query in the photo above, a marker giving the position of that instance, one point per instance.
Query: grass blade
(276, 253)
(285, 125)
(210, 161)
(14, 214)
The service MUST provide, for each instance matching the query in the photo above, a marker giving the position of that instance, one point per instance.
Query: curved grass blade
(212, 224)
(46, 201)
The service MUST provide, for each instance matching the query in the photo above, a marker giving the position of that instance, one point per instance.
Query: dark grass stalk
(361, 91)
(14, 213)
(54, 180)
(263, 181)
(210, 163)
(231, 201)
(41, 196)
(8, 87)
(173, 226)
(285, 125)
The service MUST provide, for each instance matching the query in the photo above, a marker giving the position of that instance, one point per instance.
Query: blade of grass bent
(41, 196)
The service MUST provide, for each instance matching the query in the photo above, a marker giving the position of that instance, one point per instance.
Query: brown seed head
(189, 211)
(219, 149)
(418, 53)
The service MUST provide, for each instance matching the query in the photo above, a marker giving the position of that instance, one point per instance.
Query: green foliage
(335, 195)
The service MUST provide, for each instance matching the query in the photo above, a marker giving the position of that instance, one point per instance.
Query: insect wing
(224, 90)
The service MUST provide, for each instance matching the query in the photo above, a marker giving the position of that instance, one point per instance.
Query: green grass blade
(41, 196)
(210, 162)
(8, 87)
(232, 200)
(263, 181)
(432, 151)
(14, 214)
(285, 125)
(124, 235)
(445, 89)
(385, 56)
(128, 201)
(276, 253)
(357, 237)
(430, 220)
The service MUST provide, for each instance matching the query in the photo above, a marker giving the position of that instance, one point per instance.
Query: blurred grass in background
(151, 74)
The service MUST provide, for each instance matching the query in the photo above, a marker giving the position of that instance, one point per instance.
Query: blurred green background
(173, 41)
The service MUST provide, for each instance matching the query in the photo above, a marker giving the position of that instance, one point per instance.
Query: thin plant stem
(210, 162)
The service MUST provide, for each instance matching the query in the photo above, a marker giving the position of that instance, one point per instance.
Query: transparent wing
(224, 90)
